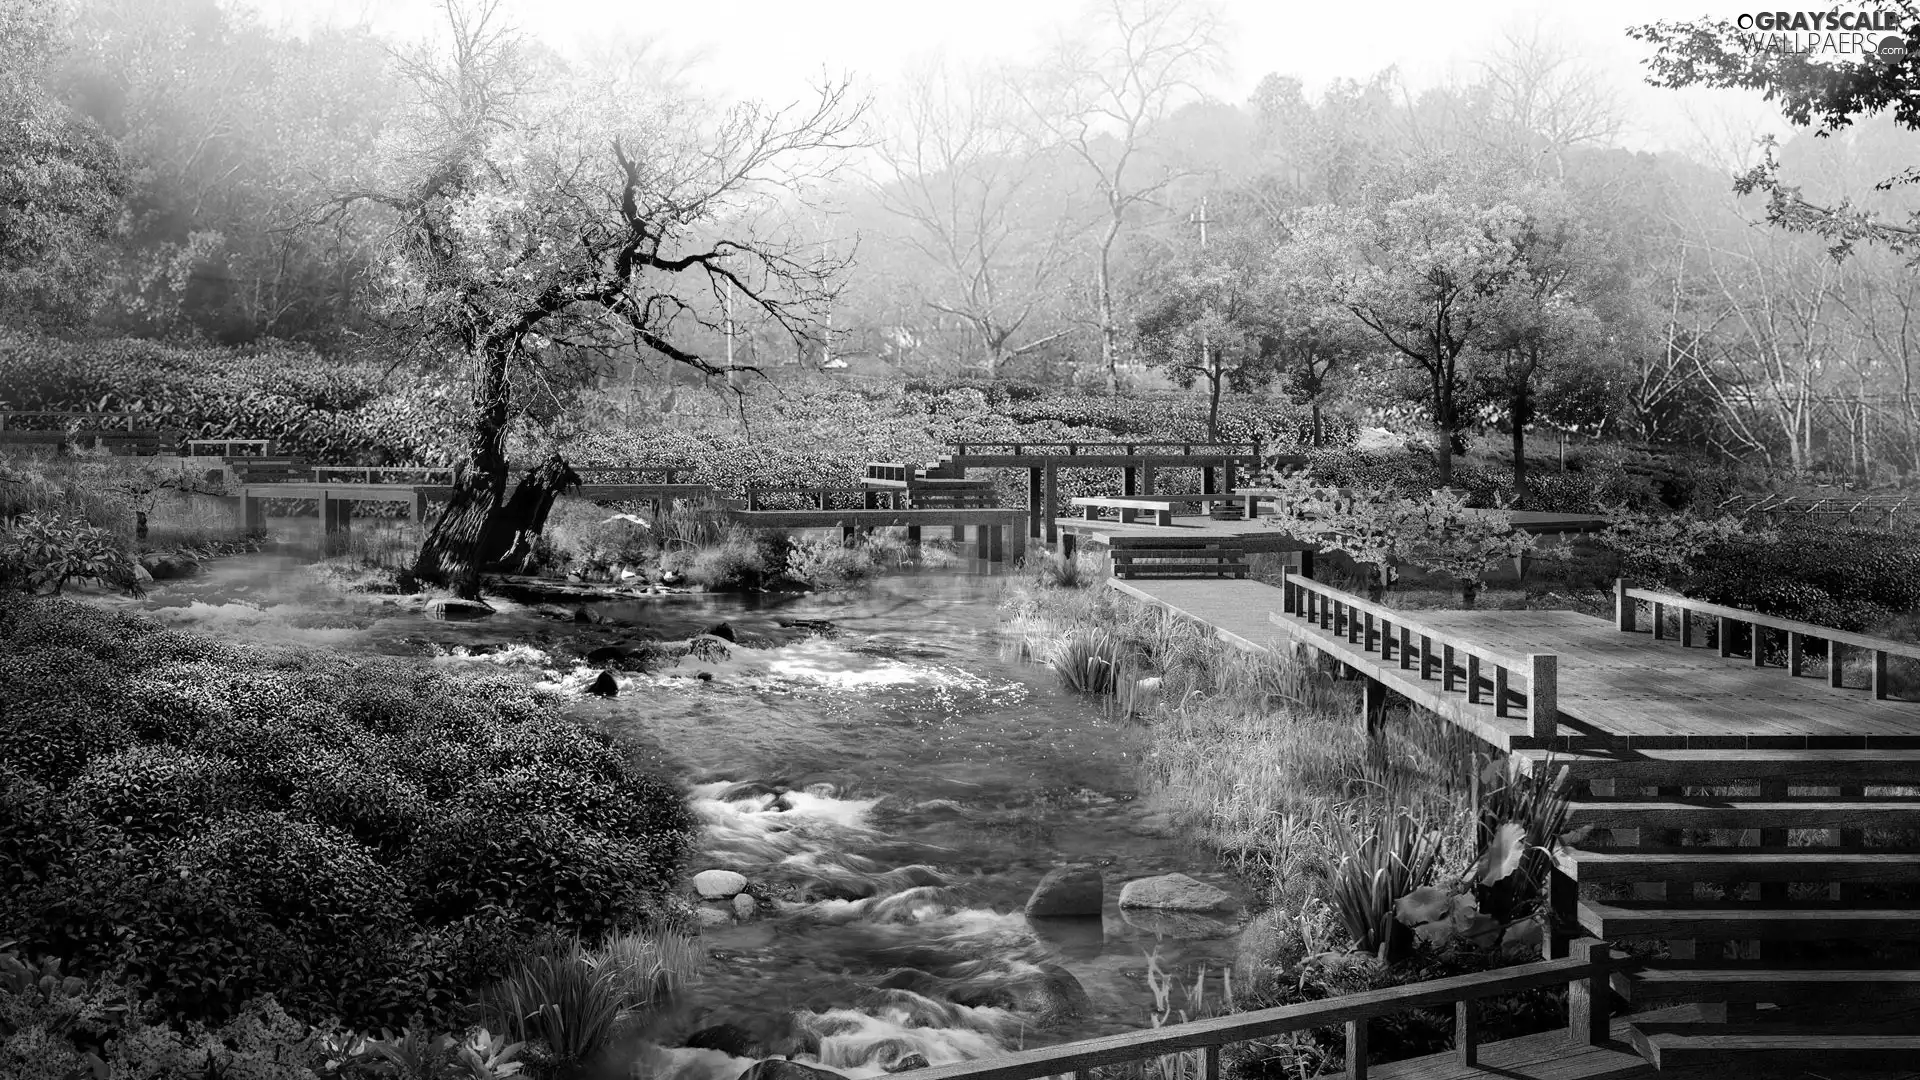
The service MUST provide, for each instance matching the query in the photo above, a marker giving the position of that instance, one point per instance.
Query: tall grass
(1382, 860)
(577, 1001)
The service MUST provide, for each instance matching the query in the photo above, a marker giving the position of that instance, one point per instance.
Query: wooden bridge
(1749, 791)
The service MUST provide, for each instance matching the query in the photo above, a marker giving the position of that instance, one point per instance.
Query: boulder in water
(719, 884)
(604, 685)
(745, 907)
(781, 1069)
(730, 1039)
(907, 1063)
(721, 630)
(711, 649)
(1068, 891)
(167, 565)
(1071, 939)
(585, 614)
(1177, 925)
(705, 917)
(454, 609)
(1173, 892)
(623, 657)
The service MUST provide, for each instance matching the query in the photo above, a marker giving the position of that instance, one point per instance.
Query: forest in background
(187, 175)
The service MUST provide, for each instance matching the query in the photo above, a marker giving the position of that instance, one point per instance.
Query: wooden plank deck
(1549, 1055)
(1268, 538)
(1615, 688)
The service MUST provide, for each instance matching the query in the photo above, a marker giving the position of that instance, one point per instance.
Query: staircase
(1779, 890)
(1166, 557)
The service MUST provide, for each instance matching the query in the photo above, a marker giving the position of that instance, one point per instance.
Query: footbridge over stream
(1745, 891)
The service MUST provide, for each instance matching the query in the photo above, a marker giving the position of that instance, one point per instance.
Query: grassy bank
(290, 846)
(1261, 758)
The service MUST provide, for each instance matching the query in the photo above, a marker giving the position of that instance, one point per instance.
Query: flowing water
(902, 780)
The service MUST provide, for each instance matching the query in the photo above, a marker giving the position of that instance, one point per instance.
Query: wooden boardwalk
(1617, 689)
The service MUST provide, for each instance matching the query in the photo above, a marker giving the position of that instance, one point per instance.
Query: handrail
(1336, 610)
(1585, 973)
(1626, 606)
(129, 417)
(437, 474)
(1074, 447)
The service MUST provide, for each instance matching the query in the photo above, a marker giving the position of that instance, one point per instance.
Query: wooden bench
(1160, 507)
(1153, 556)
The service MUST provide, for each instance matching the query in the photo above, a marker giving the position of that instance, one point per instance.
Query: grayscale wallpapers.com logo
(1859, 35)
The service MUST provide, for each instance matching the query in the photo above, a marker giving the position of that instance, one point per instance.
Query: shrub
(48, 550)
(1088, 661)
(1381, 860)
(733, 565)
(267, 821)
(1845, 577)
(577, 1001)
(826, 563)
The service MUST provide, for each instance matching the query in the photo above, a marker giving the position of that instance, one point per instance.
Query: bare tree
(968, 181)
(1104, 89)
(532, 215)
(1538, 101)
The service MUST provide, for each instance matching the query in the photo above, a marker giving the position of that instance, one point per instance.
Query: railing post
(1759, 643)
(1473, 678)
(1286, 590)
(1723, 635)
(1499, 690)
(1623, 605)
(1589, 997)
(1659, 621)
(1543, 698)
(1796, 654)
(1878, 679)
(1446, 667)
(1836, 668)
(1466, 1031)
(1212, 1064)
(1357, 1049)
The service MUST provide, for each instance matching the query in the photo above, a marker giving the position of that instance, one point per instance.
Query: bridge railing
(53, 420)
(1397, 638)
(229, 447)
(636, 474)
(1626, 607)
(821, 497)
(1585, 974)
(383, 474)
(1075, 448)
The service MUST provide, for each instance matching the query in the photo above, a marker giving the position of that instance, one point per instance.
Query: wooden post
(1499, 690)
(1623, 606)
(1590, 997)
(1877, 680)
(1473, 678)
(1426, 656)
(1051, 501)
(1211, 1064)
(1759, 649)
(1723, 633)
(1373, 706)
(1306, 563)
(1796, 654)
(1287, 591)
(1836, 665)
(1129, 482)
(1406, 649)
(1543, 698)
(1563, 914)
(1686, 629)
(1036, 512)
(419, 507)
(996, 542)
(913, 537)
(1446, 666)
(1466, 1031)
(1357, 1049)
(1069, 544)
(1016, 542)
(1146, 479)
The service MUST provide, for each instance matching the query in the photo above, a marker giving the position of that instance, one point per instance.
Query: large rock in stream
(781, 1069)
(719, 884)
(1174, 892)
(454, 609)
(1068, 892)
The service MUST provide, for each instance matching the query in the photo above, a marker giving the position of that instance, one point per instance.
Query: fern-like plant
(576, 1000)
(1087, 661)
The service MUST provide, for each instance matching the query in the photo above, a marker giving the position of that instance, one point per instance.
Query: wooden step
(1704, 767)
(1740, 864)
(1781, 986)
(1733, 812)
(1770, 1049)
(1146, 570)
(1724, 922)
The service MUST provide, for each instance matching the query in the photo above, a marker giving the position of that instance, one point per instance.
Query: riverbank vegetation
(1261, 757)
(297, 844)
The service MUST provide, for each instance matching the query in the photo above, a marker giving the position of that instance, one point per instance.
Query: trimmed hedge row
(360, 837)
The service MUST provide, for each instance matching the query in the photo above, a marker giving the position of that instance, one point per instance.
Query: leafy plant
(39, 550)
(1088, 661)
(1381, 861)
(1660, 548)
(576, 1001)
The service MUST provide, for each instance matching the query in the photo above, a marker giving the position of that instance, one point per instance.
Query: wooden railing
(897, 471)
(1585, 974)
(1626, 607)
(384, 474)
(821, 496)
(1071, 449)
(1408, 642)
(229, 447)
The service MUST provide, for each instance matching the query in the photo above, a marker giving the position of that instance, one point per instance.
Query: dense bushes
(1841, 576)
(362, 839)
(342, 411)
